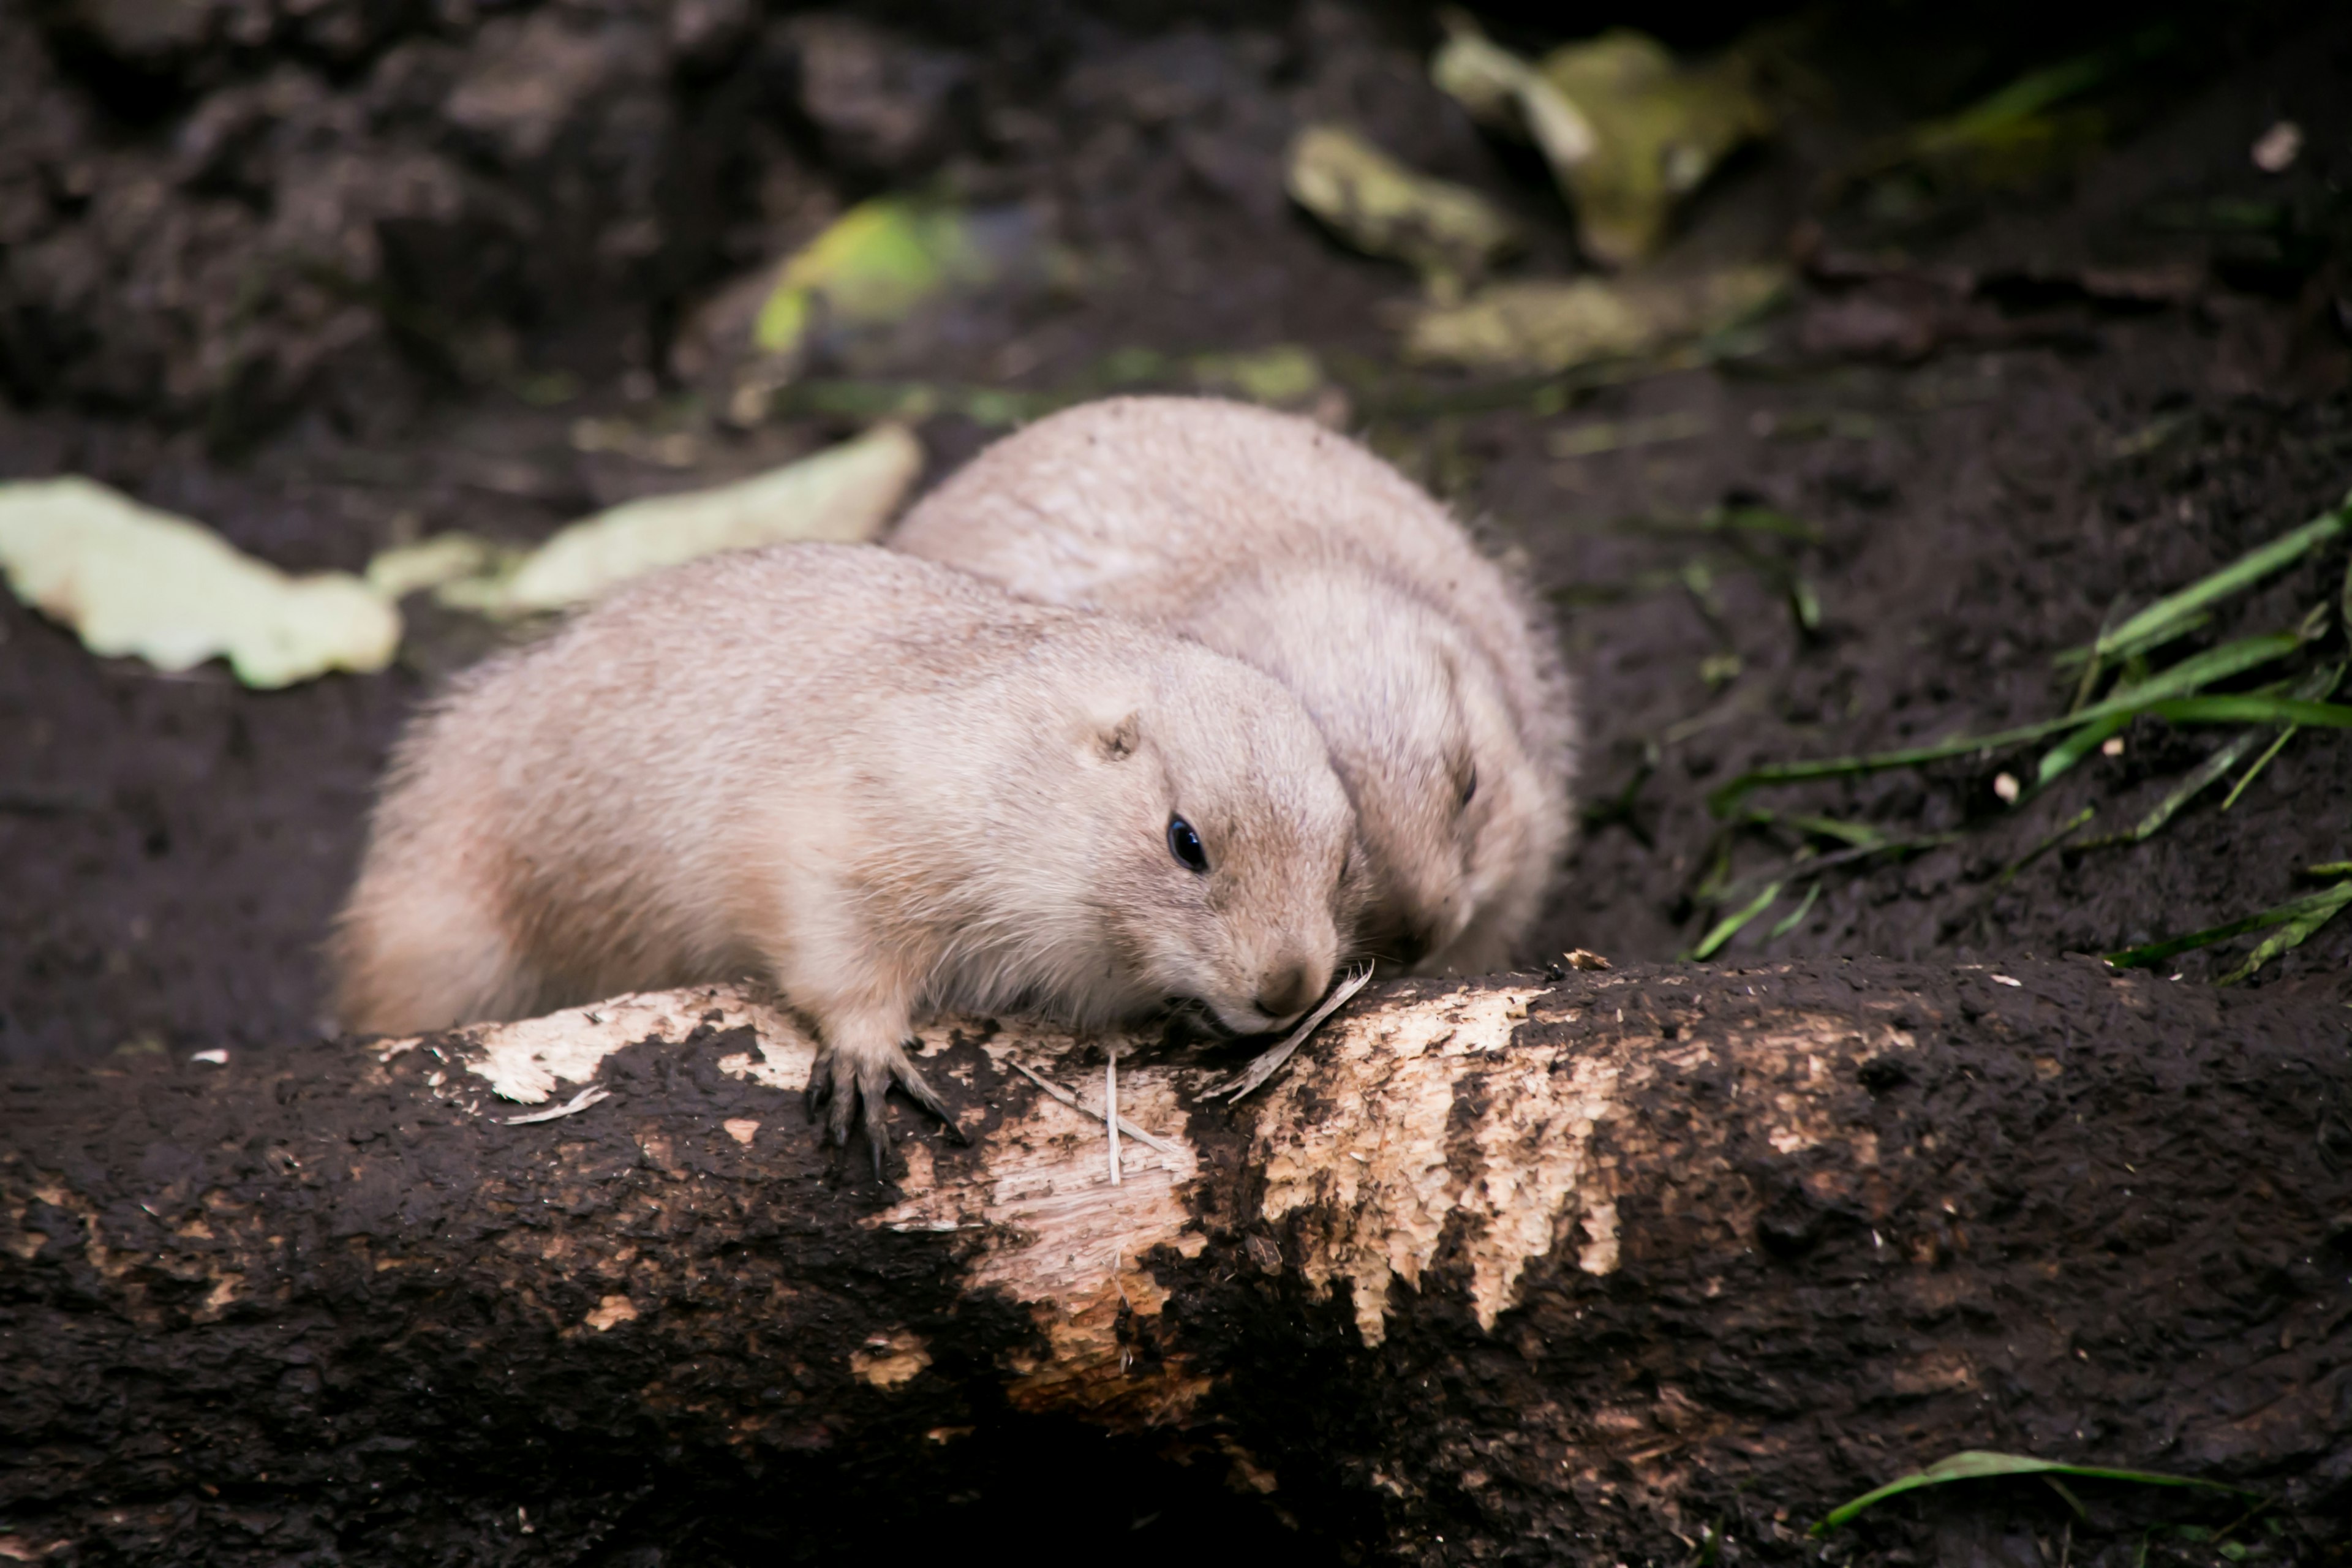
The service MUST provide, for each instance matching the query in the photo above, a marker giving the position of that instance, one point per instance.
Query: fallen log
(1654, 1265)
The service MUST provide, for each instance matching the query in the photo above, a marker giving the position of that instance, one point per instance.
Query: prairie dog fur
(1270, 539)
(877, 783)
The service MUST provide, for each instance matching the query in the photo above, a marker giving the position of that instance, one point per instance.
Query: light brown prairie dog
(883, 785)
(1269, 538)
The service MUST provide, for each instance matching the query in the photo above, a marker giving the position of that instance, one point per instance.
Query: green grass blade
(2318, 685)
(1859, 833)
(2292, 933)
(1978, 1465)
(2196, 783)
(2170, 633)
(2191, 674)
(1805, 604)
(1790, 922)
(2329, 898)
(2254, 710)
(2244, 571)
(2074, 825)
(2260, 763)
(2149, 695)
(2332, 869)
(1729, 926)
(2078, 745)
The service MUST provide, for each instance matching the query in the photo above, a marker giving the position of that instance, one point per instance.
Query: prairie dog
(880, 783)
(1269, 538)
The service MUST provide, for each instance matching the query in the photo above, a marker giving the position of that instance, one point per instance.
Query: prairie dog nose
(1285, 992)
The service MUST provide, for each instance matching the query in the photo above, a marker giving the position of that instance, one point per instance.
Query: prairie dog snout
(1267, 537)
(879, 784)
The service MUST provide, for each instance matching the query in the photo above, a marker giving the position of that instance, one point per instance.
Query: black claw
(878, 1133)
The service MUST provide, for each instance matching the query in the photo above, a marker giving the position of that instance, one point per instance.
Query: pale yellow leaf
(133, 580)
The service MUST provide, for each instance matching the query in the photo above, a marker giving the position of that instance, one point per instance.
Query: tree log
(1654, 1265)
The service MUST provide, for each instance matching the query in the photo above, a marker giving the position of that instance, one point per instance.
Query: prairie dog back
(877, 783)
(1268, 538)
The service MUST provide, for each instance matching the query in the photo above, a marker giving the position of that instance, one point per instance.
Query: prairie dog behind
(1271, 539)
(880, 783)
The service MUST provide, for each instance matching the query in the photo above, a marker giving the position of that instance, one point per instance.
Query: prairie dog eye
(1185, 845)
(1469, 790)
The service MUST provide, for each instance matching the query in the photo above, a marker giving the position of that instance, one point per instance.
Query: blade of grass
(1790, 921)
(1724, 929)
(2154, 952)
(2196, 783)
(2163, 636)
(1860, 833)
(2259, 764)
(1978, 1465)
(2186, 790)
(2152, 695)
(2317, 685)
(2035, 93)
(2332, 869)
(2291, 935)
(1805, 604)
(2076, 746)
(2160, 619)
(2254, 710)
(2074, 825)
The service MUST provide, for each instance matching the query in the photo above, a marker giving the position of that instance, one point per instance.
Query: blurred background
(1832, 370)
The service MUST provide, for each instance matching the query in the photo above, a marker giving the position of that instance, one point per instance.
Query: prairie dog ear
(1117, 740)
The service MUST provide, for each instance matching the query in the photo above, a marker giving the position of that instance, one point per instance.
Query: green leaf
(1728, 927)
(1978, 1465)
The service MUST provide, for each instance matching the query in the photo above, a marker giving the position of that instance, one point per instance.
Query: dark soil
(330, 274)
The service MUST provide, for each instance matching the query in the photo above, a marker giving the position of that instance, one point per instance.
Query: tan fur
(1271, 539)
(880, 783)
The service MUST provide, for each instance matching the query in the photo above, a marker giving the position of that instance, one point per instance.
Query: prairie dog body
(1270, 539)
(880, 783)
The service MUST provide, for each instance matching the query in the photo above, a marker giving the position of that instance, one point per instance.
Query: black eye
(1185, 845)
(1470, 787)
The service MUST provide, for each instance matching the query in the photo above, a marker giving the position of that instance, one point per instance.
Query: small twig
(1110, 1108)
(1264, 1067)
(1128, 1128)
(578, 1102)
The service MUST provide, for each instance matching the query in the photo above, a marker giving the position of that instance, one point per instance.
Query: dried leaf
(1382, 207)
(1552, 325)
(1283, 376)
(432, 562)
(842, 496)
(132, 580)
(873, 265)
(1628, 130)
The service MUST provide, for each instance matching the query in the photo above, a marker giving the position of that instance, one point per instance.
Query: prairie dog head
(1215, 838)
(1449, 801)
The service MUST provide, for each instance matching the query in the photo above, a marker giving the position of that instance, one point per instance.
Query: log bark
(1655, 1264)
